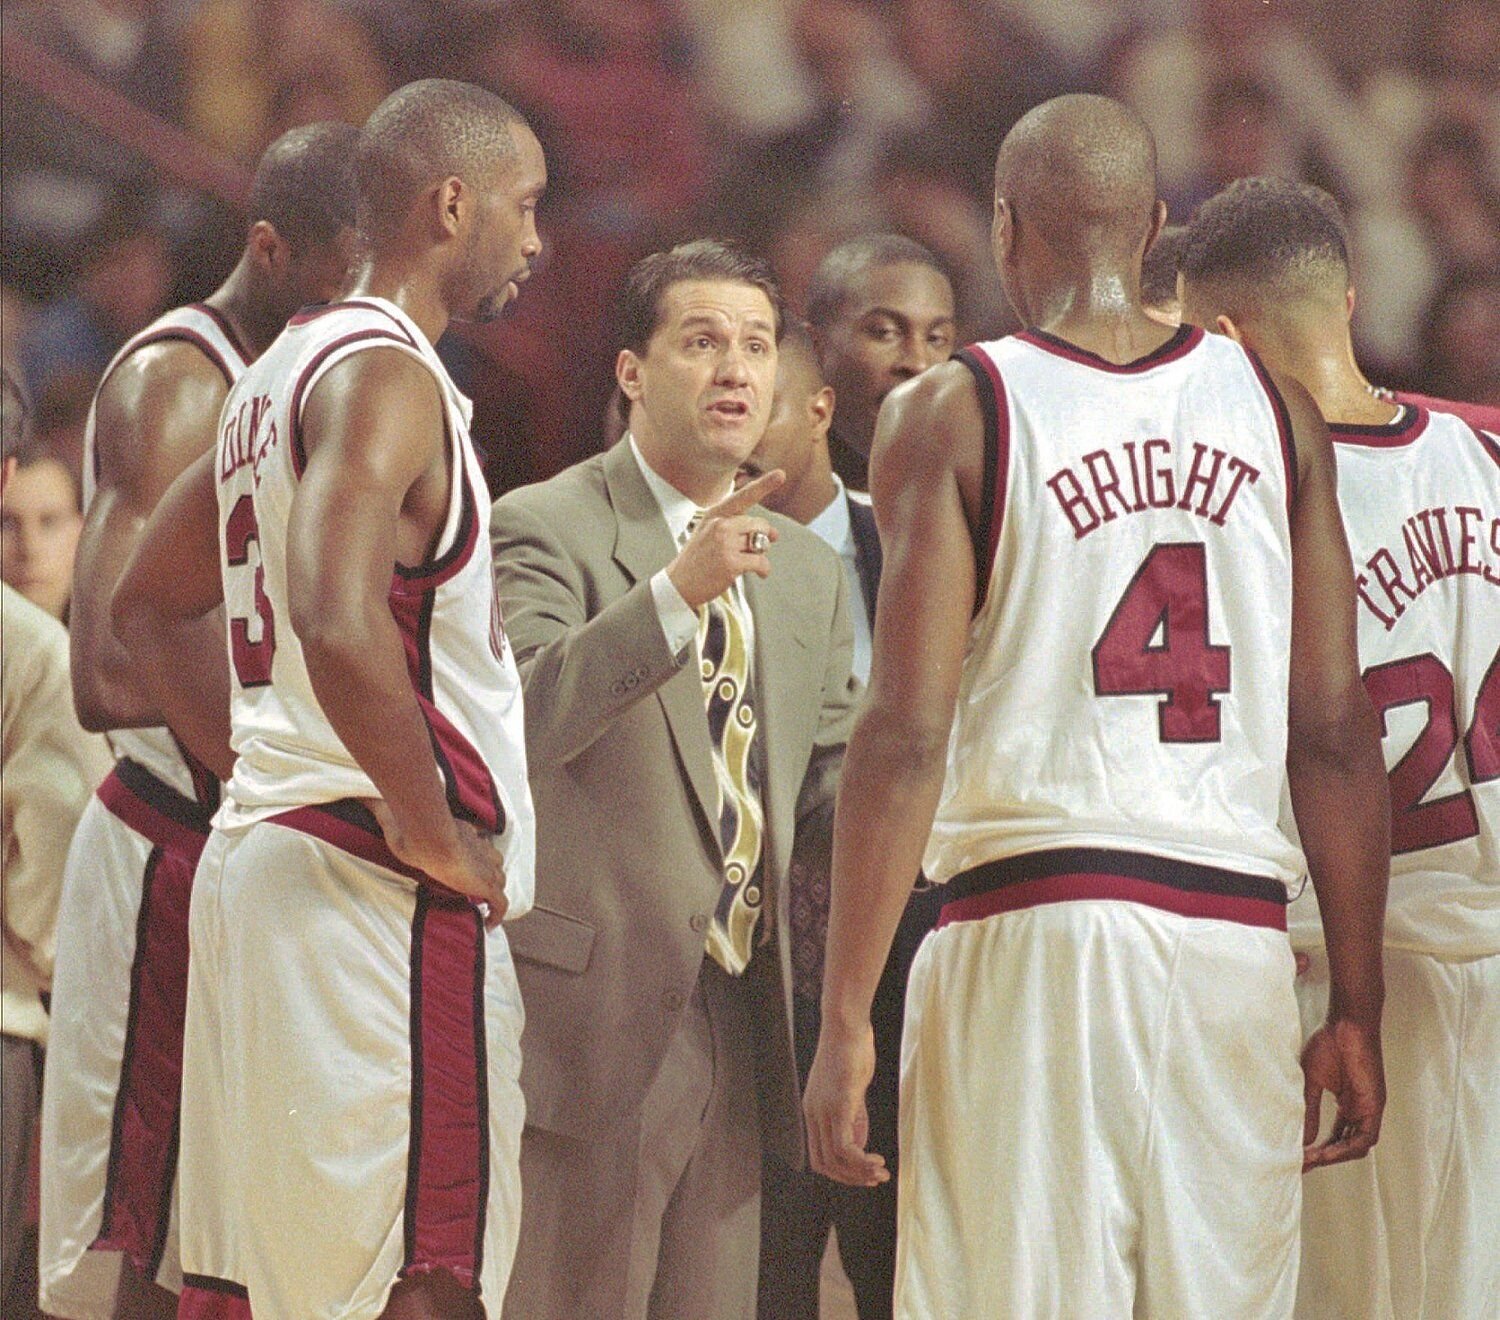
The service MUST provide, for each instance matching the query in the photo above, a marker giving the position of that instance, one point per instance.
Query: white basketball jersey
(207, 329)
(1421, 505)
(458, 656)
(1125, 685)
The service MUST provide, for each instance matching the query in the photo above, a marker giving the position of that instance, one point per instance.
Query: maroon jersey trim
(1063, 875)
(227, 329)
(207, 1298)
(299, 451)
(1488, 443)
(1481, 416)
(995, 407)
(1404, 428)
(1283, 426)
(1187, 338)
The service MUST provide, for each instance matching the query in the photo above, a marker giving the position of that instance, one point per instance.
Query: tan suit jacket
(628, 861)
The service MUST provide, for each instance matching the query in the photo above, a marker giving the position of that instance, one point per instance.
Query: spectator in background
(1455, 201)
(48, 768)
(40, 520)
(254, 68)
(881, 311)
(1462, 339)
(124, 279)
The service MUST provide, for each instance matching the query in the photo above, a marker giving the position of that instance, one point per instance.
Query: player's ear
(628, 374)
(1349, 303)
(1228, 327)
(820, 405)
(1158, 223)
(1003, 231)
(450, 199)
(268, 249)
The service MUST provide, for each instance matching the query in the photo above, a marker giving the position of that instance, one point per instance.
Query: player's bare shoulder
(378, 401)
(162, 396)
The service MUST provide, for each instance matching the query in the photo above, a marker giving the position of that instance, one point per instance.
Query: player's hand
(459, 858)
(838, 1125)
(1342, 1058)
(722, 545)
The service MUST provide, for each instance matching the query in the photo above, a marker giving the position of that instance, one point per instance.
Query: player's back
(1126, 682)
(459, 660)
(1420, 498)
(207, 330)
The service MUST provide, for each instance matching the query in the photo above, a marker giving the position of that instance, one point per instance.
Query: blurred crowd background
(786, 124)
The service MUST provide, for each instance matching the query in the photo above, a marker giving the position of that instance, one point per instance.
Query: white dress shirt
(679, 620)
(835, 530)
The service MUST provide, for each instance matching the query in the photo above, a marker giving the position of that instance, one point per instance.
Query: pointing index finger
(748, 495)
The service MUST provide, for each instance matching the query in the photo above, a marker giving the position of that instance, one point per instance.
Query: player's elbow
(1340, 733)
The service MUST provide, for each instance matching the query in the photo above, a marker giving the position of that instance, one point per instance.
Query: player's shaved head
(1079, 173)
(423, 133)
(304, 184)
(834, 280)
(1267, 243)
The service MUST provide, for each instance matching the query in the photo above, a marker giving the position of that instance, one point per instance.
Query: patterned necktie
(724, 657)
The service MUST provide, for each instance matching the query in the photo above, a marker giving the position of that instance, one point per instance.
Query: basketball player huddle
(1172, 621)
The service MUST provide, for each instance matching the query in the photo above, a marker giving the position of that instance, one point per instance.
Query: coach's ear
(1349, 304)
(1228, 327)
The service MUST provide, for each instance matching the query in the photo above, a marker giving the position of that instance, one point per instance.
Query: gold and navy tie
(724, 657)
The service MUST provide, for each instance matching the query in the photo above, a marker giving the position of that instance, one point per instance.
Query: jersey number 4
(1416, 824)
(1156, 643)
(252, 659)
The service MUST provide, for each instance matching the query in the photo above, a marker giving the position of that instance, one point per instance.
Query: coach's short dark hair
(702, 259)
(829, 287)
(1159, 269)
(422, 133)
(304, 184)
(1263, 230)
(15, 414)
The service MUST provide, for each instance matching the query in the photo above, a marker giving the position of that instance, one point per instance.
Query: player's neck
(411, 288)
(1331, 375)
(247, 310)
(813, 492)
(1099, 309)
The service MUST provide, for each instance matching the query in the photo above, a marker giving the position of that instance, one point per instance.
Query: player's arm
(1340, 799)
(155, 414)
(165, 604)
(925, 473)
(373, 429)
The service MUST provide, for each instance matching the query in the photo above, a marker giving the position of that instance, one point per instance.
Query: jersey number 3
(252, 659)
(1156, 643)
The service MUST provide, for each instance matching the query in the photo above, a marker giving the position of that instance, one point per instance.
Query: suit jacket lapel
(642, 545)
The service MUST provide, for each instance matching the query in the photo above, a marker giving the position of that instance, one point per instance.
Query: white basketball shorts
(1101, 1102)
(110, 1100)
(1414, 1228)
(352, 1107)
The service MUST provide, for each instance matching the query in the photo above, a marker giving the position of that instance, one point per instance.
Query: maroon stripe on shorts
(1067, 875)
(207, 1298)
(143, 1143)
(447, 1183)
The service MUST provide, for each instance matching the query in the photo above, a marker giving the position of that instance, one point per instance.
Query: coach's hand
(457, 857)
(1343, 1058)
(721, 546)
(838, 1125)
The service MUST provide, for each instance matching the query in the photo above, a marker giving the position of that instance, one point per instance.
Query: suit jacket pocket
(549, 937)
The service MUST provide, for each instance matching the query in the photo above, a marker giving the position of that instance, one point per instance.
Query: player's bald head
(424, 133)
(304, 184)
(1266, 247)
(1079, 173)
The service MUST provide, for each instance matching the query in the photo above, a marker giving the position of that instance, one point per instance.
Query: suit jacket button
(673, 1001)
(699, 922)
(618, 690)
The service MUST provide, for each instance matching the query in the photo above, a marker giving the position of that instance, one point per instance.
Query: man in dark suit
(800, 1206)
(686, 665)
(881, 311)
